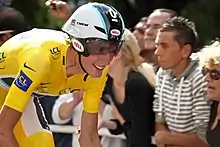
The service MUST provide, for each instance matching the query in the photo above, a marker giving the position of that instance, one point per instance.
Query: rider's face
(95, 64)
(100, 54)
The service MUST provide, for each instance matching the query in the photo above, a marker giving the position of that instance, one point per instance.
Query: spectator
(131, 86)
(105, 115)
(67, 108)
(210, 60)
(59, 9)
(182, 113)
(154, 22)
(12, 22)
(139, 31)
(62, 10)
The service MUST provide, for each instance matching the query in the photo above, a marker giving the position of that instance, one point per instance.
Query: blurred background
(203, 12)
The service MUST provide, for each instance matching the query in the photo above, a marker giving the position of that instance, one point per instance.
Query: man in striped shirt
(182, 112)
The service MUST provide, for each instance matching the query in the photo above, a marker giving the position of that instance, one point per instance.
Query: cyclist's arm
(31, 72)
(7, 138)
(89, 133)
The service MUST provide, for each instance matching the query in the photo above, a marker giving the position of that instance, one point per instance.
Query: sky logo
(23, 82)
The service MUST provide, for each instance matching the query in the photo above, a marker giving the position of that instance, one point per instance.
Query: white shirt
(76, 115)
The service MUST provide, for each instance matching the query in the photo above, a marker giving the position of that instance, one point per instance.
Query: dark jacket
(137, 110)
(213, 135)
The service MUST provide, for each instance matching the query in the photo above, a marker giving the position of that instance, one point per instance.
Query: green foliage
(37, 14)
(43, 18)
(205, 14)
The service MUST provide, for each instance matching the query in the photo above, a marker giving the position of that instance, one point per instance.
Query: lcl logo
(55, 52)
(2, 60)
(2, 56)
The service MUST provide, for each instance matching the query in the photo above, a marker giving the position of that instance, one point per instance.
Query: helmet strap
(80, 63)
(79, 58)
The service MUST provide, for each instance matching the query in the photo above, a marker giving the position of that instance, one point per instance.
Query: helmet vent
(100, 29)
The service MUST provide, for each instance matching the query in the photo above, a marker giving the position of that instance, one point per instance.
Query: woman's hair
(210, 55)
(131, 58)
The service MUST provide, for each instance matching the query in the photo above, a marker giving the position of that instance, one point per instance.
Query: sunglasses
(214, 74)
(100, 46)
(96, 46)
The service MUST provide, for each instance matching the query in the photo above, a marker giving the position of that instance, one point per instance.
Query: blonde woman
(131, 87)
(210, 61)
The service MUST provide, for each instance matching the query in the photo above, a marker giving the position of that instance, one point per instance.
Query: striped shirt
(180, 102)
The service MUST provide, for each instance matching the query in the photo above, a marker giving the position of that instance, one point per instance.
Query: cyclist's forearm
(8, 140)
(89, 133)
(89, 140)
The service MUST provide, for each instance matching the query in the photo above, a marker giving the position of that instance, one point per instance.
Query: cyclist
(47, 62)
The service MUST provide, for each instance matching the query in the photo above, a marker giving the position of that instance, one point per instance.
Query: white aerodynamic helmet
(93, 25)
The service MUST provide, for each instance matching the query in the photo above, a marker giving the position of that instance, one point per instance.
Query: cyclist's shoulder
(36, 37)
(33, 42)
(48, 36)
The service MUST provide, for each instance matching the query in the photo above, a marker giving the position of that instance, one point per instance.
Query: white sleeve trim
(55, 112)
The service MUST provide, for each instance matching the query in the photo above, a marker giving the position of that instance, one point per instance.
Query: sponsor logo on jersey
(115, 32)
(55, 53)
(42, 87)
(23, 82)
(2, 60)
(77, 45)
(68, 90)
(28, 67)
(65, 91)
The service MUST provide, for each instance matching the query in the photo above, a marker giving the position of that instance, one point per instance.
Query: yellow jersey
(34, 63)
